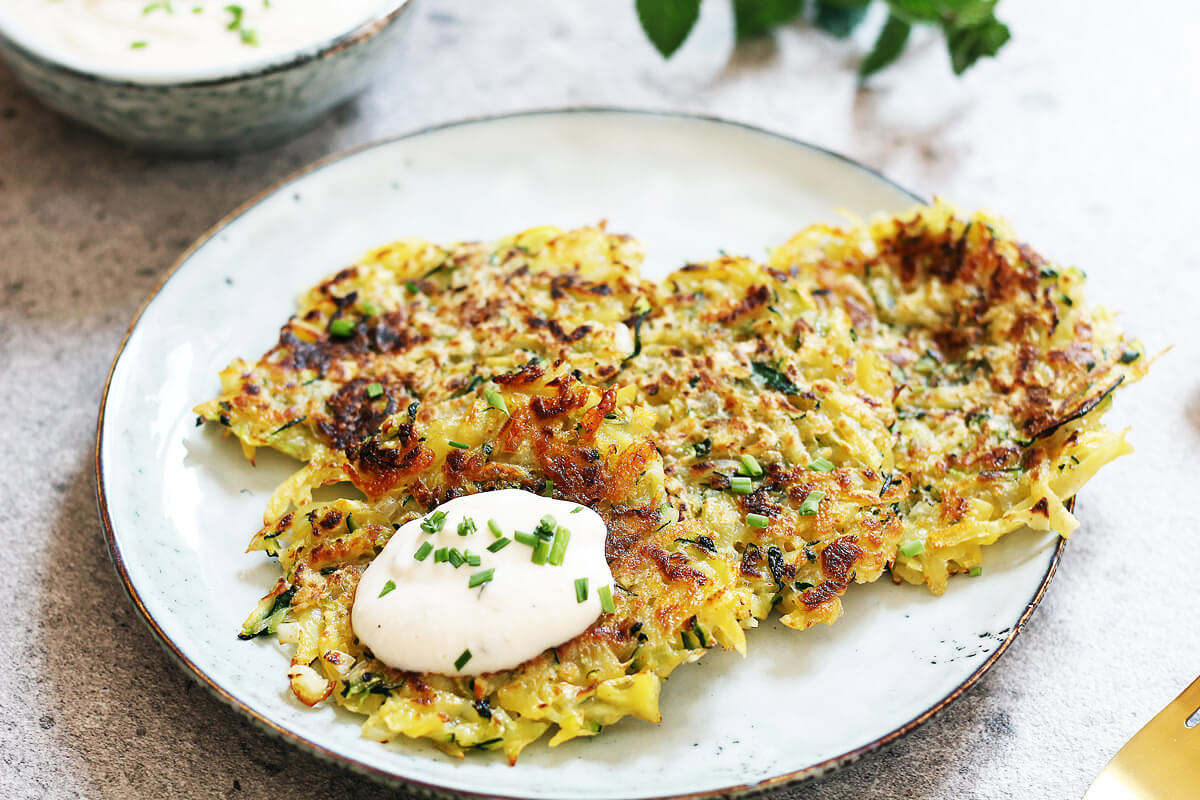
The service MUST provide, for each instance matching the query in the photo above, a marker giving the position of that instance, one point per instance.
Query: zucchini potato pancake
(756, 436)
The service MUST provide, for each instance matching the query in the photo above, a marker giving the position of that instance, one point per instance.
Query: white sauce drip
(431, 617)
(143, 40)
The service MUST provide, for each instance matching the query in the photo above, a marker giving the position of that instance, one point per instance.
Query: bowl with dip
(198, 76)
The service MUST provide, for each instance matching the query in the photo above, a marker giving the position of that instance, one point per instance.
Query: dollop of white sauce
(149, 40)
(432, 617)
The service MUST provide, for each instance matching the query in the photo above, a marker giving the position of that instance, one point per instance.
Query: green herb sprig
(970, 27)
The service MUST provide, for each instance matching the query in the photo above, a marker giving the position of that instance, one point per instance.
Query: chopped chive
(580, 590)
(341, 327)
(462, 660)
(466, 527)
(459, 445)
(499, 544)
(606, 602)
(541, 552)
(442, 554)
(374, 389)
(137, 45)
(480, 578)
(434, 522)
(910, 549)
(423, 551)
(548, 487)
(739, 484)
(412, 287)
(576, 509)
(526, 538)
(495, 399)
(975, 572)
(546, 527)
(558, 547)
(369, 308)
(750, 466)
(821, 465)
(757, 521)
(388, 587)
(811, 504)
(473, 560)
(456, 558)
(494, 527)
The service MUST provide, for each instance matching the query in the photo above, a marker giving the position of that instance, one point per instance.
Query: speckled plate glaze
(179, 503)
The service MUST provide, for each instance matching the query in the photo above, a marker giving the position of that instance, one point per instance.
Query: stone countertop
(1082, 133)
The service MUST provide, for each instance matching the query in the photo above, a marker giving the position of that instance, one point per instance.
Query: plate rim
(785, 780)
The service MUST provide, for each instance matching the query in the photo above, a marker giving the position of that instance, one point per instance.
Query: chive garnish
(387, 587)
(750, 466)
(495, 399)
(423, 551)
(369, 308)
(526, 538)
(541, 552)
(910, 549)
(494, 527)
(740, 484)
(546, 527)
(456, 558)
(434, 522)
(581, 592)
(412, 287)
(606, 601)
(811, 504)
(459, 445)
(499, 544)
(480, 578)
(558, 547)
(472, 559)
(821, 465)
(757, 521)
(576, 509)
(466, 527)
(975, 572)
(374, 389)
(341, 327)
(441, 555)
(137, 45)
(548, 487)
(462, 660)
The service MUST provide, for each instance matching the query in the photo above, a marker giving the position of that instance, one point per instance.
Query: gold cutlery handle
(1161, 761)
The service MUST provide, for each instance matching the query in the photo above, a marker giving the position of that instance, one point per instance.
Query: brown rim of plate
(742, 790)
(323, 48)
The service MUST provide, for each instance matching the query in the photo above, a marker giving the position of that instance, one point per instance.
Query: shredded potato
(895, 396)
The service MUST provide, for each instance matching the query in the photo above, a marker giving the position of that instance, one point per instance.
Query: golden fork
(1161, 761)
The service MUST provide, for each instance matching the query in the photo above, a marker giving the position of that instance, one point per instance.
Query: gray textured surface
(1083, 134)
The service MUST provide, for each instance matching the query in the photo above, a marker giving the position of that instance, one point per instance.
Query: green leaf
(918, 10)
(887, 49)
(667, 23)
(756, 17)
(969, 44)
(839, 19)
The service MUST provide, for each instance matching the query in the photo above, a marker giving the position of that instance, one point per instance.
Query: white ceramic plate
(180, 503)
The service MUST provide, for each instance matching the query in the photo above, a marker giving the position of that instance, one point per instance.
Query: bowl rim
(387, 13)
(418, 787)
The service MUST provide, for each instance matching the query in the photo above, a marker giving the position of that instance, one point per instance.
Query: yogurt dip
(484, 583)
(171, 40)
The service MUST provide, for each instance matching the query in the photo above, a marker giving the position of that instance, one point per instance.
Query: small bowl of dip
(198, 76)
